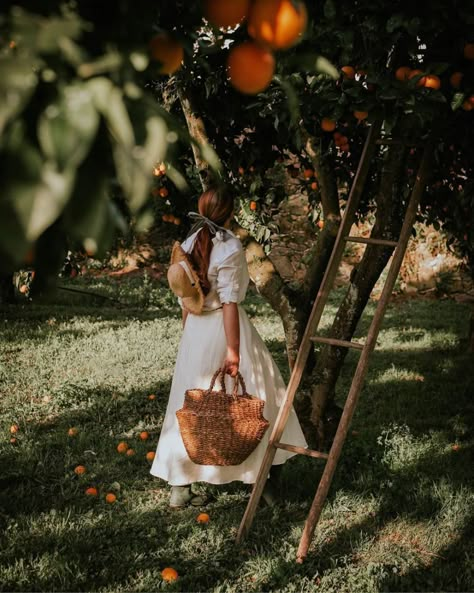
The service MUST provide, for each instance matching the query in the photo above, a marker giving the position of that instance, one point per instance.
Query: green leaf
(17, 83)
(67, 128)
(457, 101)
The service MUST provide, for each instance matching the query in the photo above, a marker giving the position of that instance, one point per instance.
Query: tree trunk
(389, 218)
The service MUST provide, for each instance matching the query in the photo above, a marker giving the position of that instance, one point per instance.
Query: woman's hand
(231, 362)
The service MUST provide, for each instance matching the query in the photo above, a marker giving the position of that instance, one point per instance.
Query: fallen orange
(110, 498)
(122, 447)
(80, 470)
(203, 518)
(72, 432)
(169, 574)
(92, 491)
(152, 396)
(130, 452)
(150, 455)
(14, 428)
(144, 435)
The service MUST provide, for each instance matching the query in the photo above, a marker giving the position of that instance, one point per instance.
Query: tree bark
(389, 218)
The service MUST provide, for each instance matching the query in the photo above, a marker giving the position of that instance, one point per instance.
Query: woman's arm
(232, 334)
(184, 316)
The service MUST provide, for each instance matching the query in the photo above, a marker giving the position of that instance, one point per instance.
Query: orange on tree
(169, 574)
(320, 224)
(455, 79)
(415, 73)
(403, 73)
(144, 435)
(122, 447)
(91, 491)
(110, 498)
(80, 470)
(203, 518)
(241, 170)
(469, 51)
(314, 185)
(23, 289)
(277, 23)
(349, 72)
(253, 205)
(308, 173)
(167, 50)
(150, 455)
(163, 192)
(73, 431)
(328, 125)
(432, 82)
(177, 221)
(250, 67)
(13, 440)
(361, 115)
(467, 105)
(222, 13)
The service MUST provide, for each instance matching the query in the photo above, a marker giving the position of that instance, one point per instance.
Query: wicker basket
(218, 428)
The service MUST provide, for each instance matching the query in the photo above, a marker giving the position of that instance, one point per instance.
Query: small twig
(95, 294)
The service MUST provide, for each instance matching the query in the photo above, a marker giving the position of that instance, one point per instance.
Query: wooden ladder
(373, 139)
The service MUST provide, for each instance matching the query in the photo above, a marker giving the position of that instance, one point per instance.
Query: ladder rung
(335, 342)
(301, 450)
(371, 241)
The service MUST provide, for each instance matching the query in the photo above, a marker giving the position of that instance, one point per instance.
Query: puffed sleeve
(229, 276)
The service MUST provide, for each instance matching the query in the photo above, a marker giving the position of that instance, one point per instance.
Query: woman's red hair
(217, 205)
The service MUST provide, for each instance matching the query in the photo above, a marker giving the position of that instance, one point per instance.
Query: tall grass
(400, 512)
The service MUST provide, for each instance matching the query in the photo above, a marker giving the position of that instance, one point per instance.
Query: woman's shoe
(182, 496)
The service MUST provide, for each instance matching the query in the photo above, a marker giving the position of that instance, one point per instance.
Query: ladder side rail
(361, 370)
(315, 316)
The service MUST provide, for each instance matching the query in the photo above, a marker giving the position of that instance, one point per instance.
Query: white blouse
(228, 273)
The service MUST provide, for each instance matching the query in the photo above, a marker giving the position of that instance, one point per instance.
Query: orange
(360, 115)
(469, 51)
(150, 455)
(314, 185)
(144, 435)
(14, 428)
(177, 221)
(169, 574)
(343, 140)
(348, 71)
(320, 224)
(250, 67)
(110, 498)
(432, 82)
(152, 396)
(13, 440)
(308, 173)
(203, 518)
(222, 13)
(23, 289)
(168, 51)
(91, 491)
(241, 170)
(455, 447)
(163, 192)
(166, 218)
(455, 79)
(130, 452)
(72, 432)
(328, 125)
(80, 470)
(403, 73)
(467, 105)
(337, 135)
(471, 100)
(253, 205)
(122, 447)
(414, 73)
(277, 23)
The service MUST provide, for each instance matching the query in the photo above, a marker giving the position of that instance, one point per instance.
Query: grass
(399, 516)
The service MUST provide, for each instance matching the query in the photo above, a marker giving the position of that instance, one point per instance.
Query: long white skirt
(201, 352)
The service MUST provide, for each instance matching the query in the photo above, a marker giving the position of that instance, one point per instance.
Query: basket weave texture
(219, 428)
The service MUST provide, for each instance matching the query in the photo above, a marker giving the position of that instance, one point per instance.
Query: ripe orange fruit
(320, 224)
(80, 470)
(250, 67)
(130, 452)
(144, 435)
(110, 498)
(72, 432)
(23, 289)
(150, 455)
(152, 396)
(314, 185)
(92, 491)
(13, 440)
(308, 173)
(222, 13)
(241, 170)
(467, 105)
(122, 447)
(432, 82)
(469, 51)
(417, 72)
(277, 23)
(177, 221)
(328, 125)
(165, 218)
(455, 79)
(169, 574)
(403, 73)
(360, 115)
(348, 72)
(203, 518)
(14, 428)
(168, 51)
(253, 205)
(163, 192)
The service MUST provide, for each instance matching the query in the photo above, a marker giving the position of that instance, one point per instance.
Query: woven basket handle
(235, 391)
(219, 373)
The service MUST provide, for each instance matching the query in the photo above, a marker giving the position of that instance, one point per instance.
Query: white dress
(201, 352)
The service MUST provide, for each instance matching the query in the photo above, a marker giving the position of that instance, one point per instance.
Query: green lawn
(400, 513)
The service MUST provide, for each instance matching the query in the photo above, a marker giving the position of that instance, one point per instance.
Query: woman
(221, 336)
